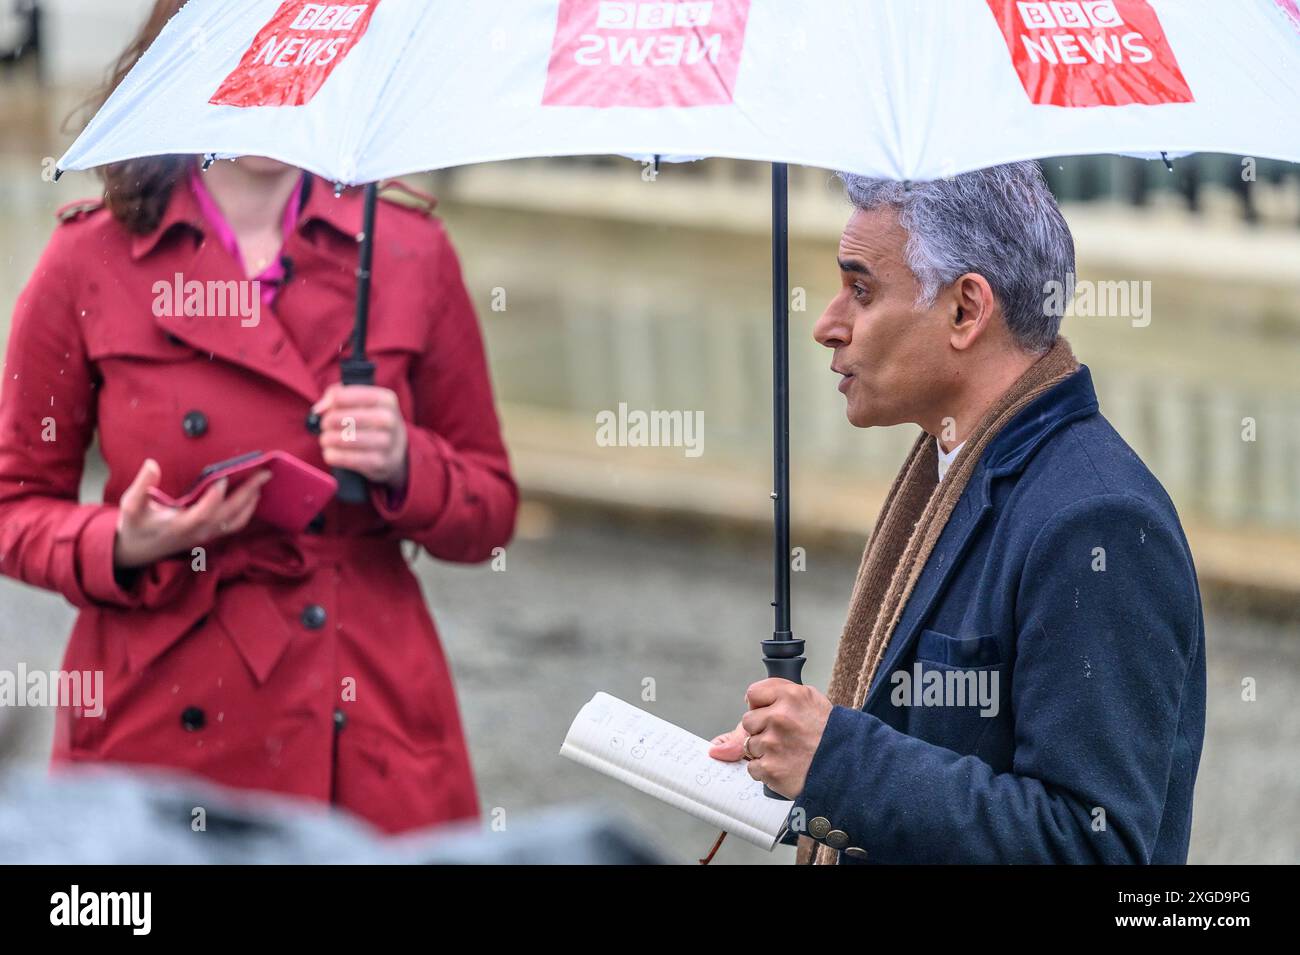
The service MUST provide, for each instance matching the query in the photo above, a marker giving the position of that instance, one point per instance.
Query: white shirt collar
(946, 457)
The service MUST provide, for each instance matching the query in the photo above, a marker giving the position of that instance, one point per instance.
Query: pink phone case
(295, 494)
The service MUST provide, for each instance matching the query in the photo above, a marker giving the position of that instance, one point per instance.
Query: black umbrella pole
(783, 654)
(357, 369)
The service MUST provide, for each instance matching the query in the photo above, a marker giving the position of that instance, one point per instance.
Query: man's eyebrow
(853, 265)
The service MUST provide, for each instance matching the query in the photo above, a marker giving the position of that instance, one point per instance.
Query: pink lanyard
(271, 277)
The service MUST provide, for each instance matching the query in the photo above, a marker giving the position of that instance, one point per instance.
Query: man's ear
(973, 308)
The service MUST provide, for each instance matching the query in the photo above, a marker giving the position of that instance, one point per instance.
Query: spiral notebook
(667, 762)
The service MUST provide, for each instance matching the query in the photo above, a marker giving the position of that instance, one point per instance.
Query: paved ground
(591, 604)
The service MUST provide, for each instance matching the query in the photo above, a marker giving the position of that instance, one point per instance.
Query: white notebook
(665, 761)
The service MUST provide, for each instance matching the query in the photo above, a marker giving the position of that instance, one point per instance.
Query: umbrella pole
(357, 369)
(783, 654)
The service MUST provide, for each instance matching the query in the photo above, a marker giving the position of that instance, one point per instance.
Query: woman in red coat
(300, 663)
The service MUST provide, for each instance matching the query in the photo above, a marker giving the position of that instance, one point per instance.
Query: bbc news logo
(613, 15)
(1094, 14)
(1087, 53)
(647, 54)
(295, 53)
(338, 17)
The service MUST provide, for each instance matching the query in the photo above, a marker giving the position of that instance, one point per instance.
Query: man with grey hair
(1021, 677)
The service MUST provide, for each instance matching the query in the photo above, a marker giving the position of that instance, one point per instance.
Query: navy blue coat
(1064, 581)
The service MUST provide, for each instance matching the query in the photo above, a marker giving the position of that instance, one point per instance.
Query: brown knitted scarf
(914, 515)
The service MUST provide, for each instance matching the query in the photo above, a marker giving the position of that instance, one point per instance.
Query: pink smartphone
(295, 494)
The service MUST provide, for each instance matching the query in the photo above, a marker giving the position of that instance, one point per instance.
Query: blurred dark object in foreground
(19, 29)
(118, 817)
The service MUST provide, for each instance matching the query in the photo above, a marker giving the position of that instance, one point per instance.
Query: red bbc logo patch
(293, 55)
(1091, 53)
(646, 54)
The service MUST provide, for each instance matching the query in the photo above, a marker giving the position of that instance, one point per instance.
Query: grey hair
(1002, 223)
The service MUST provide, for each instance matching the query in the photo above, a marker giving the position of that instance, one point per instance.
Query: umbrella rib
(367, 129)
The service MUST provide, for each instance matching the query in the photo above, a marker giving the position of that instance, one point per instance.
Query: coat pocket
(136, 342)
(953, 692)
(966, 653)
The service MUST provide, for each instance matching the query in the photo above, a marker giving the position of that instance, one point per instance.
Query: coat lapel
(966, 519)
(263, 349)
(1007, 454)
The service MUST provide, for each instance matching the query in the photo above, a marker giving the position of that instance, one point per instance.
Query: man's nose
(830, 330)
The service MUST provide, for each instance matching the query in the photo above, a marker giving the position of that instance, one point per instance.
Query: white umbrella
(906, 89)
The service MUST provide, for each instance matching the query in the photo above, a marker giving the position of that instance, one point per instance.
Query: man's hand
(784, 726)
(361, 429)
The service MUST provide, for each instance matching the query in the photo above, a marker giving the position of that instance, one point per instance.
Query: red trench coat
(304, 664)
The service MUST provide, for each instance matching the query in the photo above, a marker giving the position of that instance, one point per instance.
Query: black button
(313, 422)
(195, 424)
(313, 616)
(340, 720)
(317, 524)
(193, 719)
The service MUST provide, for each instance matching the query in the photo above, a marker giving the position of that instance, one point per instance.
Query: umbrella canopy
(357, 92)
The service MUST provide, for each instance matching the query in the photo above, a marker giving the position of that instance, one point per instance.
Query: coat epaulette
(78, 209)
(407, 196)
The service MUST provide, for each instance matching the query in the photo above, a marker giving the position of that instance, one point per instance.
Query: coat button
(195, 424)
(818, 826)
(317, 524)
(313, 422)
(340, 720)
(193, 718)
(853, 852)
(837, 838)
(313, 616)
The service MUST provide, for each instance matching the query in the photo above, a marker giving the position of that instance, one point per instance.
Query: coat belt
(236, 587)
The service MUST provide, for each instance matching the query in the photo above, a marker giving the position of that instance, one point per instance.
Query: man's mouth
(845, 378)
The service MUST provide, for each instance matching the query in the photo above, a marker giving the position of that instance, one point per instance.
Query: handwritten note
(665, 761)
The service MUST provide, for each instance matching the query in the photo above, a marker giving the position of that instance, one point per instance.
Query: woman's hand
(362, 430)
(148, 531)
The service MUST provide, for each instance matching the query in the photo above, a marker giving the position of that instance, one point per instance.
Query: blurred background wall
(600, 283)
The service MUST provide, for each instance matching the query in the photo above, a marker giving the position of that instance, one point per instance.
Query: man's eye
(859, 293)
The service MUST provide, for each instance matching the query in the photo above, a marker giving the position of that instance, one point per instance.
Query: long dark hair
(137, 191)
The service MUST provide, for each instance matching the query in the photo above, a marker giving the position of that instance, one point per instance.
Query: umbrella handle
(357, 369)
(784, 659)
(353, 487)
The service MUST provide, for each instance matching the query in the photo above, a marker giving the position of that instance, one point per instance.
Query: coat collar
(182, 210)
(342, 214)
(265, 350)
(1016, 443)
